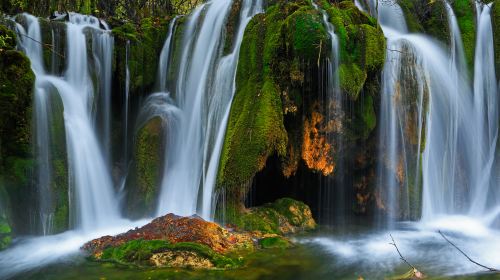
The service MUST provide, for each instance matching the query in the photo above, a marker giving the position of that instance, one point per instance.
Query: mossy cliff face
(279, 106)
(145, 175)
(16, 159)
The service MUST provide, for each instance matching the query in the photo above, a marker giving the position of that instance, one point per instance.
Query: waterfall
(102, 48)
(455, 122)
(89, 177)
(42, 112)
(486, 104)
(223, 91)
(203, 93)
(164, 58)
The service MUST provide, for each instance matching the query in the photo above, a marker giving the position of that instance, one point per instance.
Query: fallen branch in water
(47, 46)
(400, 255)
(469, 258)
(414, 273)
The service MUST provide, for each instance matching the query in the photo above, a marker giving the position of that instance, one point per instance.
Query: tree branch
(469, 258)
(400, 255)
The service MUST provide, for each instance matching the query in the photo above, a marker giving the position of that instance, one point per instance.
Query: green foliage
(139, 252)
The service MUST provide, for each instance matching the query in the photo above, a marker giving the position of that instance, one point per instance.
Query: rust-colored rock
(176, 229)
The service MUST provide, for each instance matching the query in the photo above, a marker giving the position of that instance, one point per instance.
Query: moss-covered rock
(362, 45)
(284, 216)
(174, 241)
(255, 128)
(145, 176)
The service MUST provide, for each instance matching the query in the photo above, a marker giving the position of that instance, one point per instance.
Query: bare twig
(400, 255)
(469, 258)
(48, 46)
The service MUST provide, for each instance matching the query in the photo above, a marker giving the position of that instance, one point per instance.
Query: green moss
(427, 17)
(365, 118)
(283, 216)
(255, 128)
(274, 242)
(352, 79)
(263, 219)
(139, 252)
(144, 183)
(296, 212)
(362, 45)
(5, 233)
(464, 11)
(307, 35)
(146, 41)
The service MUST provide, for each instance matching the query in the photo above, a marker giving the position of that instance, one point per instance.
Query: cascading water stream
(458, 122)
(220, 102)
(95, 204)
(204, 100)
(333, 103)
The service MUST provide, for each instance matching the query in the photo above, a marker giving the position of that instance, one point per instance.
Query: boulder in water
(174, 241)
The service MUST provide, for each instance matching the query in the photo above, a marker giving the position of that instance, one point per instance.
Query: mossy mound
(284, 216)
(145, 175)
